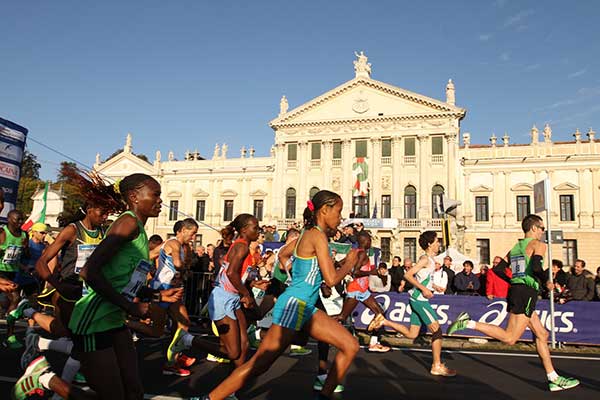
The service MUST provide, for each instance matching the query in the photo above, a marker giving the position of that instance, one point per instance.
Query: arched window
(290, 203)
(313, 191)
(437, 191)
(410, 202)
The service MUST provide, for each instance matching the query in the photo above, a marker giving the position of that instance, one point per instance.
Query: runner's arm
(285, 253)
(410, 274)
(500, 269)
(236, 258)
(331, 276)
(42, 266)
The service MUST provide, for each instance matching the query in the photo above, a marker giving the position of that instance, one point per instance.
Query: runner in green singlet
(525, 260)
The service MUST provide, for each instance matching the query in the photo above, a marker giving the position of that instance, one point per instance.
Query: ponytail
(320, 199)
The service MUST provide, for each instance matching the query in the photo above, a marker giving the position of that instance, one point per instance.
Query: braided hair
(319, 200)
(236, 225)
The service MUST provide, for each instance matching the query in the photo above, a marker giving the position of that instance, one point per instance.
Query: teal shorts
(292, 313)
(422, 313)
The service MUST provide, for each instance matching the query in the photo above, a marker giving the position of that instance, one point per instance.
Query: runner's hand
(262, 284)
(138, 309)
(427, 293)
(490, 296)
(172, 295)
(248, 302)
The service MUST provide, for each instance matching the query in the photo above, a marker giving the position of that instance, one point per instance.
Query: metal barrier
(197, 289)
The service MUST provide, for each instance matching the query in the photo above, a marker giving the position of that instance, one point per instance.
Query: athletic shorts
(360, 296)
(521, 299)
(95, 341)
(222, 303)
(422, 313)
(291, 312)
(9, 275)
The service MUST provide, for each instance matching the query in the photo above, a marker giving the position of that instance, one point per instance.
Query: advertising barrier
(576, 321)
(12, 144)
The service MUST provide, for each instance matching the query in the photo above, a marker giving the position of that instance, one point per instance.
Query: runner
(422, 313)
(525, 260)
(358, 289)
(295, 309)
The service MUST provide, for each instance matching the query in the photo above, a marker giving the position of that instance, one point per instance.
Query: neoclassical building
(390, 153)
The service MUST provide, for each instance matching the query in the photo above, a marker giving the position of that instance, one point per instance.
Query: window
(173, 210)
(386, 206)
(437, 145)
(523, 208)
(290, 203)
(315, 151)
(313, 190)
(360, 206)
(481, 208)
(200, 209)
(361, 148)
(569, 252)
(409, 147)
(337, 150)
(386, 148)
(292, 151)
(385, 249)
(258, 209)
(567, 211)
(197, 240)
(228, 210)
(483, 251)
(410, 249)
(437, 192)
(410, 202)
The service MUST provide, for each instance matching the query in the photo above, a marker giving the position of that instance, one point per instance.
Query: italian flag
(38, 214)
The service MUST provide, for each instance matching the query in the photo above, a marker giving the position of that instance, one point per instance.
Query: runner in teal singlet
(526, 262)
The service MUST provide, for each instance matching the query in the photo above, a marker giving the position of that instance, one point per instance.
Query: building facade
(390, 153)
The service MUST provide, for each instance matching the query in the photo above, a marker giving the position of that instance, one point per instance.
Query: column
(423, 192)
(467, 200)
(498, 194)
(279, 186)
(585, 198)
(397, 188)
(509, 201)
(451, 140)
(326, 157)
(375, 174)
(346, 191)
(303, 168)
(596, 197)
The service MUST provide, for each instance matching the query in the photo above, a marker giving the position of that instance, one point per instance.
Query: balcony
(420, 224)
(336, 162)
(292, 163)
(410, 160)
(386, 160)
(315, 163)
(437, 158)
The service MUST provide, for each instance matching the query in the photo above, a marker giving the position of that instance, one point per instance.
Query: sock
(471, 324)
(552, 376)
(187, 340)
(61, 346)
(374, 340)
(322, 377)
(295, 347)
(28, 312)
(44, 379)
(257, 334)
(70, 369)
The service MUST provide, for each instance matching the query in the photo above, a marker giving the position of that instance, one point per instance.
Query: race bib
(137, 280)
(12, 254)
(84, 251)
(518, 266)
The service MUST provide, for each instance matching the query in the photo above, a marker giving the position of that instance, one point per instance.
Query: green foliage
(71, 197)
(119, 151)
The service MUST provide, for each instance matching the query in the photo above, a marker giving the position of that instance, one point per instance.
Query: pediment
(174, 194)
(124, 164)
(566, 186)
(522, 187)
(201, 193)
(481, 189)
(228, 193)
(361, 99)
(258, 193)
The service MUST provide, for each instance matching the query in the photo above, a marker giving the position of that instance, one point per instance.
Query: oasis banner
(575, 321)
(12, 144)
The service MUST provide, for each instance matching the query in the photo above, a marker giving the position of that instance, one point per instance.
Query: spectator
(269, 237)
(349, 235)
(200, 260)
(405, 286)
(466, 282)
(559, 279)
(381, 282)
(580, 285)
(496, 287)
(447, 267)
(210, 251)
(359, 226)
(396, 272)
(597, 284)
(482, 276)
(338, 237)
(439, 279)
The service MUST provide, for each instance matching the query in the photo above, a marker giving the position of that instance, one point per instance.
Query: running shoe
(320, 381)
(79, 378)
(459, 324)
(376, 322)
(253, 341)
(175, 370)
(378, 348)
(17, 313)
(12, 342)
(442, 370)
(176, 345)
(213, 358)
(29, 383)
(32, 349)
(185, 361)
(562, 383)
(299, 351)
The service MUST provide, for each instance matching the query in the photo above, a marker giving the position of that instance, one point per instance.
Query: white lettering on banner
(401, 311)
(9, 171)
(500, 315)
(562, 318)
(11, 133)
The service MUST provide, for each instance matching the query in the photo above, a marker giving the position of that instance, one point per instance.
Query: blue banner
(575, 321)
(12, 144)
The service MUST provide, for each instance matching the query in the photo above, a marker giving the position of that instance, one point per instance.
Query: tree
(29, 182)
(30, 167)
(73, 200)
(119, 151)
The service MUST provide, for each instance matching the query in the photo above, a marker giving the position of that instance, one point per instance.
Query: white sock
(374, 340)
(552, 376)
(28, 312)
(44, 379)
(471, 324)
(257, 334)
(187, 340)
(70, 369)
(62, 345)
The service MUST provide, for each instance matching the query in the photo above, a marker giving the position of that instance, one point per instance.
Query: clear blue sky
(187, 74)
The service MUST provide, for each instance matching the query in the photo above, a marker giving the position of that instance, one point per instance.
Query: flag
(38, 214)
(360, 171)
(374, 216)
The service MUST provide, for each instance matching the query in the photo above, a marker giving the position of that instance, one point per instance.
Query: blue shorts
(223, 304)
(291, 312)
(422, 313)
(360, 296)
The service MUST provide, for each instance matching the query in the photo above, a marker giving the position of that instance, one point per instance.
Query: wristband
(156, 297)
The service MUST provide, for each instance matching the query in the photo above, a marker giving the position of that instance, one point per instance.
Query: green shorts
(422, 313)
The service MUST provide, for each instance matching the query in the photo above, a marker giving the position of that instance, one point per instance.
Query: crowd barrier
(576, 322)
(197, 289)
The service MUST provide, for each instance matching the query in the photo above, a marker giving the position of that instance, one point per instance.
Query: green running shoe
(17, 313)
(320, 381)
(79, 378)
(299, 351)
(176, 346)
(29, 384)
(562, 383)
(459, 324)
(12, 342)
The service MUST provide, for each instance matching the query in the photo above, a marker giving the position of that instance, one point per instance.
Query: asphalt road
(398, 374)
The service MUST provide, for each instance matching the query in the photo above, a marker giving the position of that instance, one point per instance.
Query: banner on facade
(12, 145)
(576, 321)
(373, 223)
(360, 172)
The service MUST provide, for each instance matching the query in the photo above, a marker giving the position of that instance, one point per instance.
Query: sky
(188, 74)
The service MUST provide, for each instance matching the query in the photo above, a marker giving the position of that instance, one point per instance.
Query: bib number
(518, 266)
(12, 254)
(84, 251)
(137, 280)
